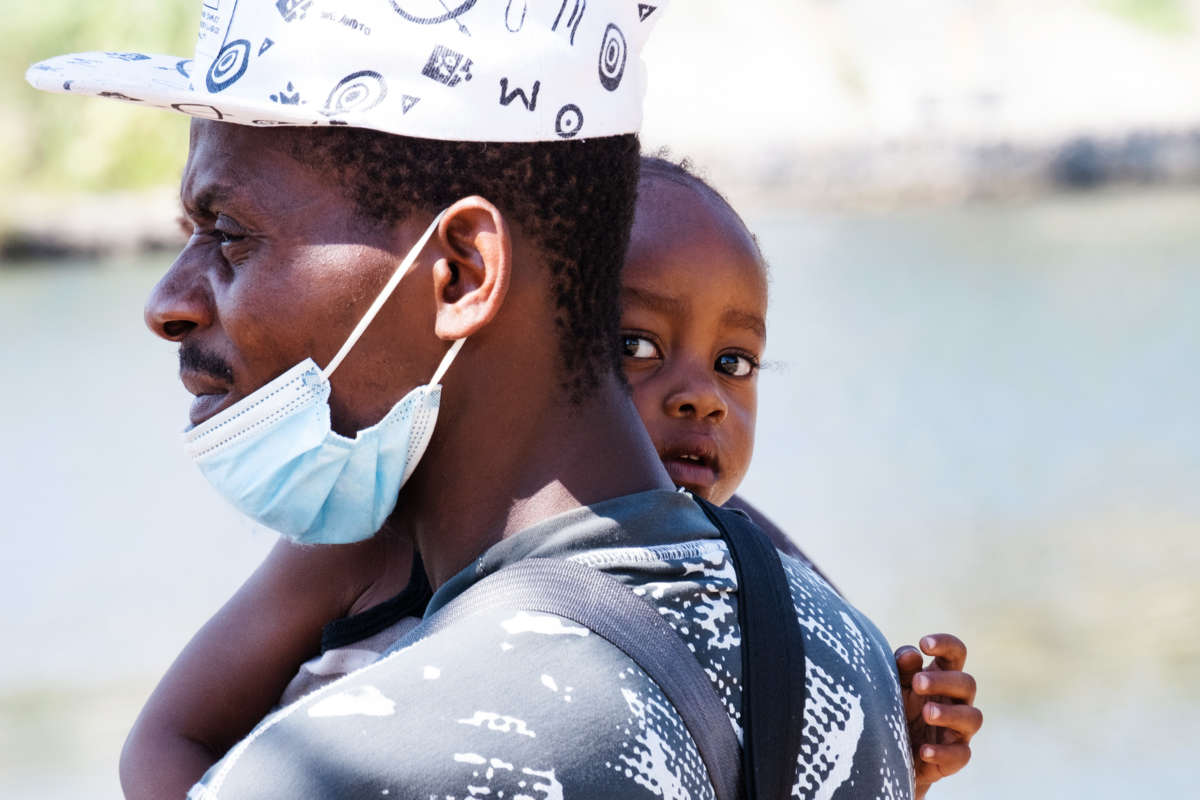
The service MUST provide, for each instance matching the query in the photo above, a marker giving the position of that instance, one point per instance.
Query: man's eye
(638, 347)
(227, 231)
(736, 365)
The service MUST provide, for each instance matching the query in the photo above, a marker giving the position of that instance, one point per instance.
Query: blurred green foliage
(59, 143)
(1161, 16)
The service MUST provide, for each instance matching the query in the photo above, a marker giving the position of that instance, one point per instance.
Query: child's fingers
(946, 758)
(908, 663)
(963, 720)
(951, 684)
(948, 650)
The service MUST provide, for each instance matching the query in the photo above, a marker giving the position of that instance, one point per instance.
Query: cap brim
(154, 81)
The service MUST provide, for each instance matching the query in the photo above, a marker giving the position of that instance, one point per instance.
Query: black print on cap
(513, 24)
(290, 97)
(199, 110)
(292, 10)
(229, 65)
(447, 66)
(357, 91)
(645, 10)
(528, 100)
(449, 10)
(612, 58)
(569, 121)
(119, 96)
(573, 20)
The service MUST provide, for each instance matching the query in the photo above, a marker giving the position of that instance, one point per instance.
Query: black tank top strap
(410, 602)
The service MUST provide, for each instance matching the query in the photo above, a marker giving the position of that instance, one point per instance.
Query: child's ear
(470, 281)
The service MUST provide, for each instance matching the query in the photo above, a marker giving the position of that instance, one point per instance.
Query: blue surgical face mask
(274, 455)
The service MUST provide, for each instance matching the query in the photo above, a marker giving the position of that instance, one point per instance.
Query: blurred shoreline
(887, 175)
(852, 105)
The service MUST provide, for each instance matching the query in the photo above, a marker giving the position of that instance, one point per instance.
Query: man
(498, 167)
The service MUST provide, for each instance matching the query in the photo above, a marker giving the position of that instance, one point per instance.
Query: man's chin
(207, 406)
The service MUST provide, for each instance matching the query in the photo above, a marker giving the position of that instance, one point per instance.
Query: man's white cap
(465, 70)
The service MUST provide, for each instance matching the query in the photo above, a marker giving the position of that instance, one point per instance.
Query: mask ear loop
(446, 359)
(382, 297)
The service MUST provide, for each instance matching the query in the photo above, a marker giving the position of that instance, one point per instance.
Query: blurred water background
(977, 420)
(979, 414)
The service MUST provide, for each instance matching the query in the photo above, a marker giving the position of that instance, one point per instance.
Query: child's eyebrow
(655, 302)
(744, 319)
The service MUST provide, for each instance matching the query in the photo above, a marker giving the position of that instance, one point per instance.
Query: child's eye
(638, 347)
(736, 365)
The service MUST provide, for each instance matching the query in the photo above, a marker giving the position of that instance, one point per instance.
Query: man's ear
(471, 279)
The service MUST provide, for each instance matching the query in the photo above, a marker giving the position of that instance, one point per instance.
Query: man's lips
(691, 461)
(211, 393)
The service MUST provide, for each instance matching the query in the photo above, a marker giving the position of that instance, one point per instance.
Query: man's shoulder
(854, 713)
(508, 701)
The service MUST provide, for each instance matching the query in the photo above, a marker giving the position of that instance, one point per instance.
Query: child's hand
(938, 704)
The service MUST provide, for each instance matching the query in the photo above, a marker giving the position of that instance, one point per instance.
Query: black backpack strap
(611, 610)
(772, 659)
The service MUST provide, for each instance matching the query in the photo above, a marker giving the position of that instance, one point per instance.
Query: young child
(693, 330)
(692, 334)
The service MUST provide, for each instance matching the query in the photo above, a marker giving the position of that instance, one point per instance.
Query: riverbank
(924, 172)
(901, 173)
(49, 226)
(793, 103)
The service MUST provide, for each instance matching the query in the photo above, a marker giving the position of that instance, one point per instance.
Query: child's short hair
(684, 173)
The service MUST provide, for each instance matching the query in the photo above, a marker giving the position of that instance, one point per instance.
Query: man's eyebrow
(209, 196)
(744, 319)
(655, 302)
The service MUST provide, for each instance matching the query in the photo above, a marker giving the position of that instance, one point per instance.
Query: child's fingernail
(928, 642)
(934, 711)
(921, 682)
(927, 753)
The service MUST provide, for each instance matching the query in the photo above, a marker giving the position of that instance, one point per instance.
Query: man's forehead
(216, 141)
(212, 151)
(208, 177)
(231, 163)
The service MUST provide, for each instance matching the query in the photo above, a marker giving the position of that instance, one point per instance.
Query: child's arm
(939, 703)
(234, 669)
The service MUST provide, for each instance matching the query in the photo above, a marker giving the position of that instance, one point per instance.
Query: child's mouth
(692, 465)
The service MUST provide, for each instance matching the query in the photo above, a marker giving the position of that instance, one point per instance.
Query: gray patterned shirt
(513, 705)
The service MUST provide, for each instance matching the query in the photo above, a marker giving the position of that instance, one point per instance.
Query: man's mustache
(193, 359)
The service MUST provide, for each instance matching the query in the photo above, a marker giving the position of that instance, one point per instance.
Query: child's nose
(696, 398)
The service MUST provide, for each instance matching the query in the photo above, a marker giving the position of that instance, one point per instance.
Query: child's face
(693, 328)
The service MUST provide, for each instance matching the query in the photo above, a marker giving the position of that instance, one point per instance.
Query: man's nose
(696, 395)
(181, 301)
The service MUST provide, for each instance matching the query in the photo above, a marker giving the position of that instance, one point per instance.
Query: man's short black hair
(575, 199)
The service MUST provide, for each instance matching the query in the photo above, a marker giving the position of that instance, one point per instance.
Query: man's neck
(486, 481)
